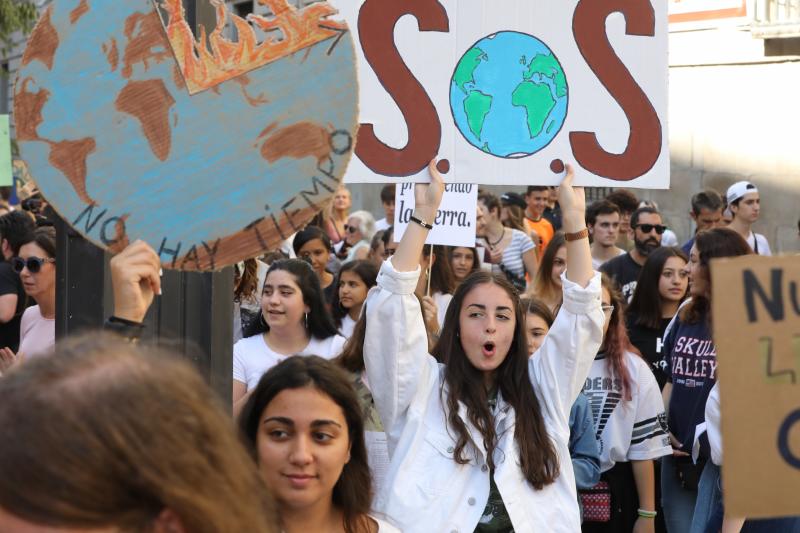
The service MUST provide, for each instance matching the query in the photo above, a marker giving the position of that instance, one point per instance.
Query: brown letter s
(644, 142)
(376, 22)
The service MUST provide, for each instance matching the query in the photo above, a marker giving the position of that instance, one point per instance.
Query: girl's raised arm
(427, 200)
(573, 209)
(399, 369)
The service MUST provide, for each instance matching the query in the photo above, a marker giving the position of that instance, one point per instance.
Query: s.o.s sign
(507, 91)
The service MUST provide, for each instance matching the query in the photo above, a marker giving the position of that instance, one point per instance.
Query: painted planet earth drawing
(122, 150)
(509, 95)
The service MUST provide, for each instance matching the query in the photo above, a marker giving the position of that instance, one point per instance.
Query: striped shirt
(512, 254)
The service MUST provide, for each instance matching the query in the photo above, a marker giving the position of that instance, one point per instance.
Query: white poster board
(506, 92)
(455, 221)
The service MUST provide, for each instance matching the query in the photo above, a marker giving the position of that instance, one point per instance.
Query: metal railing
(776, 18)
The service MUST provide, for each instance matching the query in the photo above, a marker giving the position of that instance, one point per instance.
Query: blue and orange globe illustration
(509, 95)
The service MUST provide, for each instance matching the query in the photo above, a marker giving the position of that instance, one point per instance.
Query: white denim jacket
(425, 489)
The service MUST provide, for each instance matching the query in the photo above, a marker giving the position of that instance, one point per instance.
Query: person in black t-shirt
(659, 293)
(646, 230)
(16, 229)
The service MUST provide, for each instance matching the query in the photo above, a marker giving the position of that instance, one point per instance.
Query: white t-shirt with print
(252, 357)
(627, 431)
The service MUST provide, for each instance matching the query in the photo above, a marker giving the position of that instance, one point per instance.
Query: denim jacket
(583, 444)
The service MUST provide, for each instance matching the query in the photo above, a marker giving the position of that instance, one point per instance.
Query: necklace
(493, 244)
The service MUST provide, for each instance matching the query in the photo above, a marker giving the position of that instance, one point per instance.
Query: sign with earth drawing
(506, 92)
(212, 148)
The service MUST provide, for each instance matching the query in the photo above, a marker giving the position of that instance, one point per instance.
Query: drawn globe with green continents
(509, 95)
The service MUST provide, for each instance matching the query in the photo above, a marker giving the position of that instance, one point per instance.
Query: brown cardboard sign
(756, 310)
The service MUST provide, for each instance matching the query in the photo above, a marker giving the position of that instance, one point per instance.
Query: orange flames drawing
(203, 68)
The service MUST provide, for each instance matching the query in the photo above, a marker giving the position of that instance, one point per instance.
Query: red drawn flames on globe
(203, 68)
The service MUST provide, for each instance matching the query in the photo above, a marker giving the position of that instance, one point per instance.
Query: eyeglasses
(647, 228)
(607, 309)
(388, 252)
(350, 229)
(34, 264)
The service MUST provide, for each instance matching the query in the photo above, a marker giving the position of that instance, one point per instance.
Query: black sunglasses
(350, 229)
(647, 228)
(34, 264)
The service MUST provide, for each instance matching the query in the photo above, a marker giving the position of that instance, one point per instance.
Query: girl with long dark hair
(547, 283)
(304, 428)
(480, 441)
(463, 262)
(661, 288)
(441, 284)
(293, 321)
(353, 282)
(313, 246)
(630, 423)
(691, 358)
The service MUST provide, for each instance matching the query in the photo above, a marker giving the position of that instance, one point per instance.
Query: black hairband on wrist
(421, 222)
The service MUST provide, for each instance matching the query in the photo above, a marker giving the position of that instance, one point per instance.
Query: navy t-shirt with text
(691, 366)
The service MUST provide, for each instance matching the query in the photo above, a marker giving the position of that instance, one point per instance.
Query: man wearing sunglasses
(16, 229)
(646, 231)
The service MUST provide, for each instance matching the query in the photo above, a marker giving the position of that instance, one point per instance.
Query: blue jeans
(708, 508)
(709, 511)
(678, 503)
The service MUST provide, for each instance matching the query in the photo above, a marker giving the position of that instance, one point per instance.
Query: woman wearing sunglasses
(37, 271)
(359, 230)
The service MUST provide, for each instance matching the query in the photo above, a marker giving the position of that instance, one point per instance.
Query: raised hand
(428, 197)
(572, 201)
(136, 280)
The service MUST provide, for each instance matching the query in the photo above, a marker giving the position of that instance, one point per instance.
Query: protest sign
(756, 310)
(455, 221)
(507, 92)
(213, 157)
(6, 176)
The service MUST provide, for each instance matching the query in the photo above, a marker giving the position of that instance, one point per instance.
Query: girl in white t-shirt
(352, 284)
(304, 427)
(293, 321)
(629, 420)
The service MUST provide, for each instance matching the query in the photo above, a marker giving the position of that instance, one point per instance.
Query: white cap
(739, 189)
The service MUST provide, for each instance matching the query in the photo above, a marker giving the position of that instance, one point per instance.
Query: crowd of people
(545, 379)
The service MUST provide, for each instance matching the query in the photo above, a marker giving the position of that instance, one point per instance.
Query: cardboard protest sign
(756, 310)
(6, 176)
(455, 221)
(507, 92)
(118, 143)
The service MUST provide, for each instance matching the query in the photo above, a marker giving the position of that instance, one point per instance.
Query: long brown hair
(645, 306)
(246, 281)
(710, 244)
(616, 342)
(465, 384)
(352, 493)
(107, 434)
(543, 286)
(442, 279)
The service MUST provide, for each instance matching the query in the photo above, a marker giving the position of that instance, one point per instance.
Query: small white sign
(455, 221)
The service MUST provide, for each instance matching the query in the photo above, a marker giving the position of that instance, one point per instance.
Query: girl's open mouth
(488, 349)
